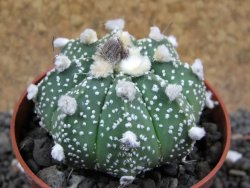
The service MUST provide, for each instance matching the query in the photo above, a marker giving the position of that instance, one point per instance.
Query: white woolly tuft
(156, 34)
(62, 62)
(173, 91)
(115, 24)
(233, 156)
(126, 180)
(125, 37)
(60, 42)
(125, 89)
(32, 91)
(88, 36)
(100, 68)
(57, 152)
(196, 133)
(172, 40)
(129, 140)
(67, 104)
(208, 101)
(135, 64)
(197, 69)
(186, 65)
(162, 54)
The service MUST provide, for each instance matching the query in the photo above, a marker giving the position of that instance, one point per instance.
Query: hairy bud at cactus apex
(112, 51)
(120, 105)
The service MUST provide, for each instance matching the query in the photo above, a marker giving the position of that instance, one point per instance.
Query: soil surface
(215, 31)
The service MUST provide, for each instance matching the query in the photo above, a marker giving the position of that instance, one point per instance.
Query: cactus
(120, 105)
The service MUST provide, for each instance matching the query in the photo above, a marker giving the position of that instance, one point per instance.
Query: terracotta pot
(23, 111)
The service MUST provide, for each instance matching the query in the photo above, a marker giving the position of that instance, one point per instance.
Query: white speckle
(125, 89)
(186, 65)
(162, 54)
(62, 62)
(197, 69)
(155, 88)
(129, 140)
(166, 116)
(135, 64)
(196, 133)
(173, 91)
(124, 170)
(57, 152)
(156, 34)
(233, 156)
(190, 82)
(128, 125)
(67, 104)
(88, 36)
(32, 91)
(208, 101)
(172, 40)
(100, 68)
(60, 42)
(115, 24)
(126, 180)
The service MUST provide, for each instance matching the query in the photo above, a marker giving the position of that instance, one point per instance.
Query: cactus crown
(120, 105)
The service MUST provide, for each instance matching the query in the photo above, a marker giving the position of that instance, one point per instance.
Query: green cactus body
(120, 123)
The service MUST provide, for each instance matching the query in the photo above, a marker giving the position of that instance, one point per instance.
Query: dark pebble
(38, 133)
(112, 184)
(5, 145)
(131, 186)
(170, 169)
(104, 179)
(210, 127)
(202, 169)
(101, 184)
(75, 180)
(184, 178)
(173, 183)
(194, 155)
(33, 165)
(189, 167)
(212, 137)
(87, 182)
(42, 151)
(217, 183)
(245, 184)
(26, 147)
(148, 183)
(236, 172)
(155, 175)
(52, 177)
(164, 183)
(5, 118)
(214, 153)
(243, 164)
(182, 169)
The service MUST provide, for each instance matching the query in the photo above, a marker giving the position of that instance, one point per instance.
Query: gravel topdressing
(181, 175)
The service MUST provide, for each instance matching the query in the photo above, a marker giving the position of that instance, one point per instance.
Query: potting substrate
(36, 148)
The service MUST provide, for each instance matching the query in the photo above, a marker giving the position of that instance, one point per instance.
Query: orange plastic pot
(23, 111)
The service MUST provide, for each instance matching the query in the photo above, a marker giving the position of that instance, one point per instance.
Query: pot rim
(226, 147)
(35, 179)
